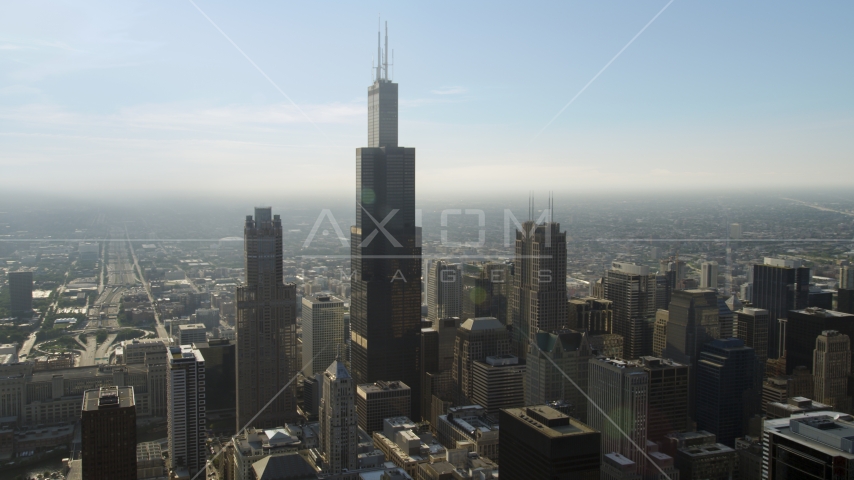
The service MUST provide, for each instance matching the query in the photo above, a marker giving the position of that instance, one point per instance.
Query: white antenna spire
(385, 59)
(379, 53)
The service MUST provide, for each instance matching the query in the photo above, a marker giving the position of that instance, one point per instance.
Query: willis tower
(385, 304)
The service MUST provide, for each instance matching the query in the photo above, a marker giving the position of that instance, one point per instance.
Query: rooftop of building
(471, 419)
(186, 352)
(322, 298)
(753, 311)
(705, 450)
(283, 467)
(338, 370)
(569, 340)
(148, 451)
(616, 458)
(820, 312)
(214, 342)
(75, 372)
(383, 386)
(549, 421)
(108, 397)
(482, 323)
(619, 362)
(829, 432)
(798, 404)
(257, 439)
(192, 326)
(657, 362)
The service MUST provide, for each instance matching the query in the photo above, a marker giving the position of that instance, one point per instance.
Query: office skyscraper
(186, 419)
(444, 291)
(831, 370)
(21, 293)
(486, 290)
(322, 331)
(339, 435)
(590, 314)
(729, 386)
(845, 293)
(108, 425)
(779, 286)
(545, 383)
(845, 300)
(266, 342)
(846, 277)
(385, 303)
(804, 326)
(499, 382)
(477, 338)
(709, 275)
(631, 288)
(752, 327)
(659, 332)
(692, 322)
(541, 442)
(668, 397)
(437, 360)
(380, 400)
(818, 442)
(735, 231)
(621, 389)
(539, 282)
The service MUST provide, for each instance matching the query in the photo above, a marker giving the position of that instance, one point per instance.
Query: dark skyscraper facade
(266, 342)
(631, 288)
(108, 434)
(21, 293)
(728, 389)
(779, 286)
(385, 304)
(486, 290)
(539, 283)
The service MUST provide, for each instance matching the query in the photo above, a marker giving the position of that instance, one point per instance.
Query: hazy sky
(149, 97)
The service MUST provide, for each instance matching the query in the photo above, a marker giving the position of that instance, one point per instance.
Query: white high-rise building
(339, 430)
(192, 333)
(846, 277)
(709, 275)
(444, 291)
(186, 414)
(322, 331)
(619, 388)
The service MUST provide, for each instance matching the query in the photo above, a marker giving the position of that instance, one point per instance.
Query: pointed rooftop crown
(337, 369)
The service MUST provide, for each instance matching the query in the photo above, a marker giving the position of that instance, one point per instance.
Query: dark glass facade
(540, 442)
(804, 326)
(486, 288)
(266, 345)
(385, 303)
(778, 290)
(728, 389)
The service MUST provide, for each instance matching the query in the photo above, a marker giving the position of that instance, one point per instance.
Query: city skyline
(655, 335)
(120, 84)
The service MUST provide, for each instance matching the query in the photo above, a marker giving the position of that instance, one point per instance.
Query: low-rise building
(254, 444)
(794, 406)
(469, 428)
(402, 444)
(699, 456)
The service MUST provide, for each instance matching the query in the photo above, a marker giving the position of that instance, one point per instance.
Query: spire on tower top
(382, 55)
